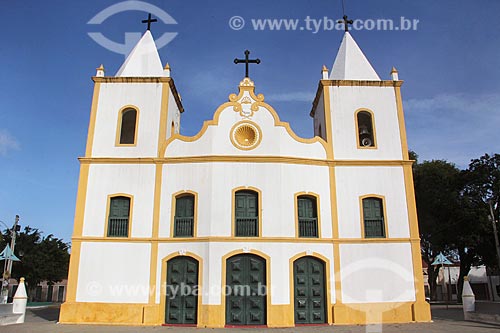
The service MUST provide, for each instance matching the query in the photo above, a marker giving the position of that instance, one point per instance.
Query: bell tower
(361, 118)
(136, 110)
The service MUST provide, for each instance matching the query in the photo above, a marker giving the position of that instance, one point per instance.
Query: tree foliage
(453, 212)
(42, 258)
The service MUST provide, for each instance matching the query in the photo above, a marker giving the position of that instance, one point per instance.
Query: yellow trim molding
(296, 214)
(74, 262)
(162, 133)
(350, 83)
(327, 265)
(240, 130)
(93, 115)
(130, 214)
(374, 130)
(233, 102)
(169, 80)
(172, 212)
(224, 239)
(233, 212)
(163, 284)
(421, 309)
(401, 121)
(155, 231)
(241, 159)
(362, 213)
(119, 126)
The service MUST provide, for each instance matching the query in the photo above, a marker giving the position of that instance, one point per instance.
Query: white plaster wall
(280, 254)
(114, 272)
(376, 273)
(353, 182)
(275, 139)
(113, 97)
(104, 179)
(382, 101)
(173, 115)
(214, 183)
(319, 118)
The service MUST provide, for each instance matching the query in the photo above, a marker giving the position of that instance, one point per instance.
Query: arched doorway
(246, 291)
(309, 291)
(182, 291)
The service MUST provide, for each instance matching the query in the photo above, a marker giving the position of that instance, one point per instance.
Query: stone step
(483, 317)
(9, 319)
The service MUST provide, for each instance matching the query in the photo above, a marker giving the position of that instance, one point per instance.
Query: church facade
(245, 223)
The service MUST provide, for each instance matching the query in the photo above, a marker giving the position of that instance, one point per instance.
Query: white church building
(245, 223)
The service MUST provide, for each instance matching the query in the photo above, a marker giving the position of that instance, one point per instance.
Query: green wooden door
(246, 290)
(373, 218)
(182, 289)
(247, 214)
(309, 291)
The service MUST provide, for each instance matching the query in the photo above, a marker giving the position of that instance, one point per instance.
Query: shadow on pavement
(50, 313)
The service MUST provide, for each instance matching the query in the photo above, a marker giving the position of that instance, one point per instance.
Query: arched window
(307, 213)
(128, 126)
(246, 211)
(119, 216)
(366, 130)
(373, 218)
(184, 216)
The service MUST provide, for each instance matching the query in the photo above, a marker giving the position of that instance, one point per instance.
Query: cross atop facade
(346, 23)
(247, 61)
(149, 21)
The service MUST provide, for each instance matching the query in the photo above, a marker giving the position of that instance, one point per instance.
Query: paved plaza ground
(44, 320)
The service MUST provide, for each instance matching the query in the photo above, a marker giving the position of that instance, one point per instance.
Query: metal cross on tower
(149, 21)
(247, 61)
(346, 22)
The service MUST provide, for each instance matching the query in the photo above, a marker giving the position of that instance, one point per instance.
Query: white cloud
(300, 96)
(456, 127)
(7, 142)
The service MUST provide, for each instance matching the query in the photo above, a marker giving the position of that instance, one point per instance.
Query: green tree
(437, 192)
(482, 187)
(42, 258)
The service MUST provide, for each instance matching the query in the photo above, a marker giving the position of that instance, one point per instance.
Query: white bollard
(20, 300)
(468, 298)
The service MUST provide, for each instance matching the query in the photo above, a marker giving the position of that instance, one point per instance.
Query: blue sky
(450, 65)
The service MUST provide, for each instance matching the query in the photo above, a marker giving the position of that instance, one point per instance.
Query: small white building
(245, 223)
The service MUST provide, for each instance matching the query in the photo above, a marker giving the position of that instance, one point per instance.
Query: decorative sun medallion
(245, 135)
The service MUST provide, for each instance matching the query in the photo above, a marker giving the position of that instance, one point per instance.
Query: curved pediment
(245, 126)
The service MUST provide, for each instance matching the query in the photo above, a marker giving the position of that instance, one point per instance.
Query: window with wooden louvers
(373, 216)
(247, 214)
(308, 216)
(184, 216)
(118, 221)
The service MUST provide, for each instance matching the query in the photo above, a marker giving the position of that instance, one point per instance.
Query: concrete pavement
(445, 320)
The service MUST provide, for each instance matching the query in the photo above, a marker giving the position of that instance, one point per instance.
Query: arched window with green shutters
(373, 217)
(184, 216)
(307, 213)
(246, 213)
(119, 216)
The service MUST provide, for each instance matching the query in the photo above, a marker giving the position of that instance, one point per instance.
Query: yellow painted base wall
(214, 315)
(373, 313)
